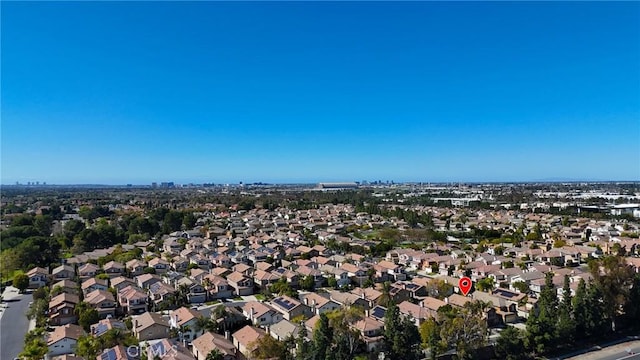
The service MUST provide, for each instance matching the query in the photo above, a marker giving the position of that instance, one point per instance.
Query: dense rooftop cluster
(286, 274)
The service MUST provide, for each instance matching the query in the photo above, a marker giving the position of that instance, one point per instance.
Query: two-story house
(208, 342)
(185, 320)
(160, 265)
(113, 269)
(217, 287)
(88, 270)
(150, 326)
(371, 331)
(319, 304)
(93, 284)
(241, 284)
(63, 339)
(61, 309)
(289, 307)
(260, 314)
(38, 277)
(102, 301)
(133, 300)
(63, 272)
(136, 267)
(196, 292)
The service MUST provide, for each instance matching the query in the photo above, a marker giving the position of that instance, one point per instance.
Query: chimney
(227, 335)
(446, 300)
(136, 323)
(366, 313)
(422, 304)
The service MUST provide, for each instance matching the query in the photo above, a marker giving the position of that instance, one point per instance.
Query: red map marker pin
(465, 285)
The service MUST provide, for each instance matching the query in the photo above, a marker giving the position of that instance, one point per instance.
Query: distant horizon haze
(141, 92)
(179, 182)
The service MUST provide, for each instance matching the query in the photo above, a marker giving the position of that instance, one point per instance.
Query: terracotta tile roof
(70, 331)
(98, 296)
(148, 319)
(248, 335)
(62, 298)
(185, 315)
(209, 341)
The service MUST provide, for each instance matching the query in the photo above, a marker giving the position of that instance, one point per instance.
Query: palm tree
(113, 337)
(205, 324)
(220, 315)
(385, 298)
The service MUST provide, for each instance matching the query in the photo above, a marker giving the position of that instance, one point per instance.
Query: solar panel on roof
(286, 304)
(158, 348)
(378, 312)
(100, 329)
(506, 294)
(108, 355)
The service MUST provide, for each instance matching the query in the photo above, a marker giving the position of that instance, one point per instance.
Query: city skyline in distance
(118, 93)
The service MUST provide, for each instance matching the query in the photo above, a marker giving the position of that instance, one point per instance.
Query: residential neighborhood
(237, 278)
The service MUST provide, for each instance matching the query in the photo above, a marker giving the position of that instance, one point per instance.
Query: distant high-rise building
(154, 185)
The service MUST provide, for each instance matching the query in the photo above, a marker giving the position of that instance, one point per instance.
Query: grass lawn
(260, 297)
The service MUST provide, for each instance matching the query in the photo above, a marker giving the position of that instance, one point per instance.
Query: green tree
(566, 324)
(37, 310)
(189, 221)
(579, 306)
(87, 315)
(267, 347)
(401, 336)
(34, 350)
(615, 278)
(511, 344)
(172, 221)
(385, 297)
(332, 282)
(521, 286)
(88, 347)
(215, 354)
(303, 347)
(430, 336)
(21, 282)
(346, 340)
(465, 329)
(632, 306)
(308, 283)
(541, 325)
(203, 324)
(485, 284)
(322, 338)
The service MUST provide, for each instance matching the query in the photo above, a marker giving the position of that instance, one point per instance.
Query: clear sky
(121, 92)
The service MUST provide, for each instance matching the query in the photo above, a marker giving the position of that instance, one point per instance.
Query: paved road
(13, 326)
(629, 350)
(628, 353)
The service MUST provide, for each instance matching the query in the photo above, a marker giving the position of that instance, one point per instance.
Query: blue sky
(121, 92)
